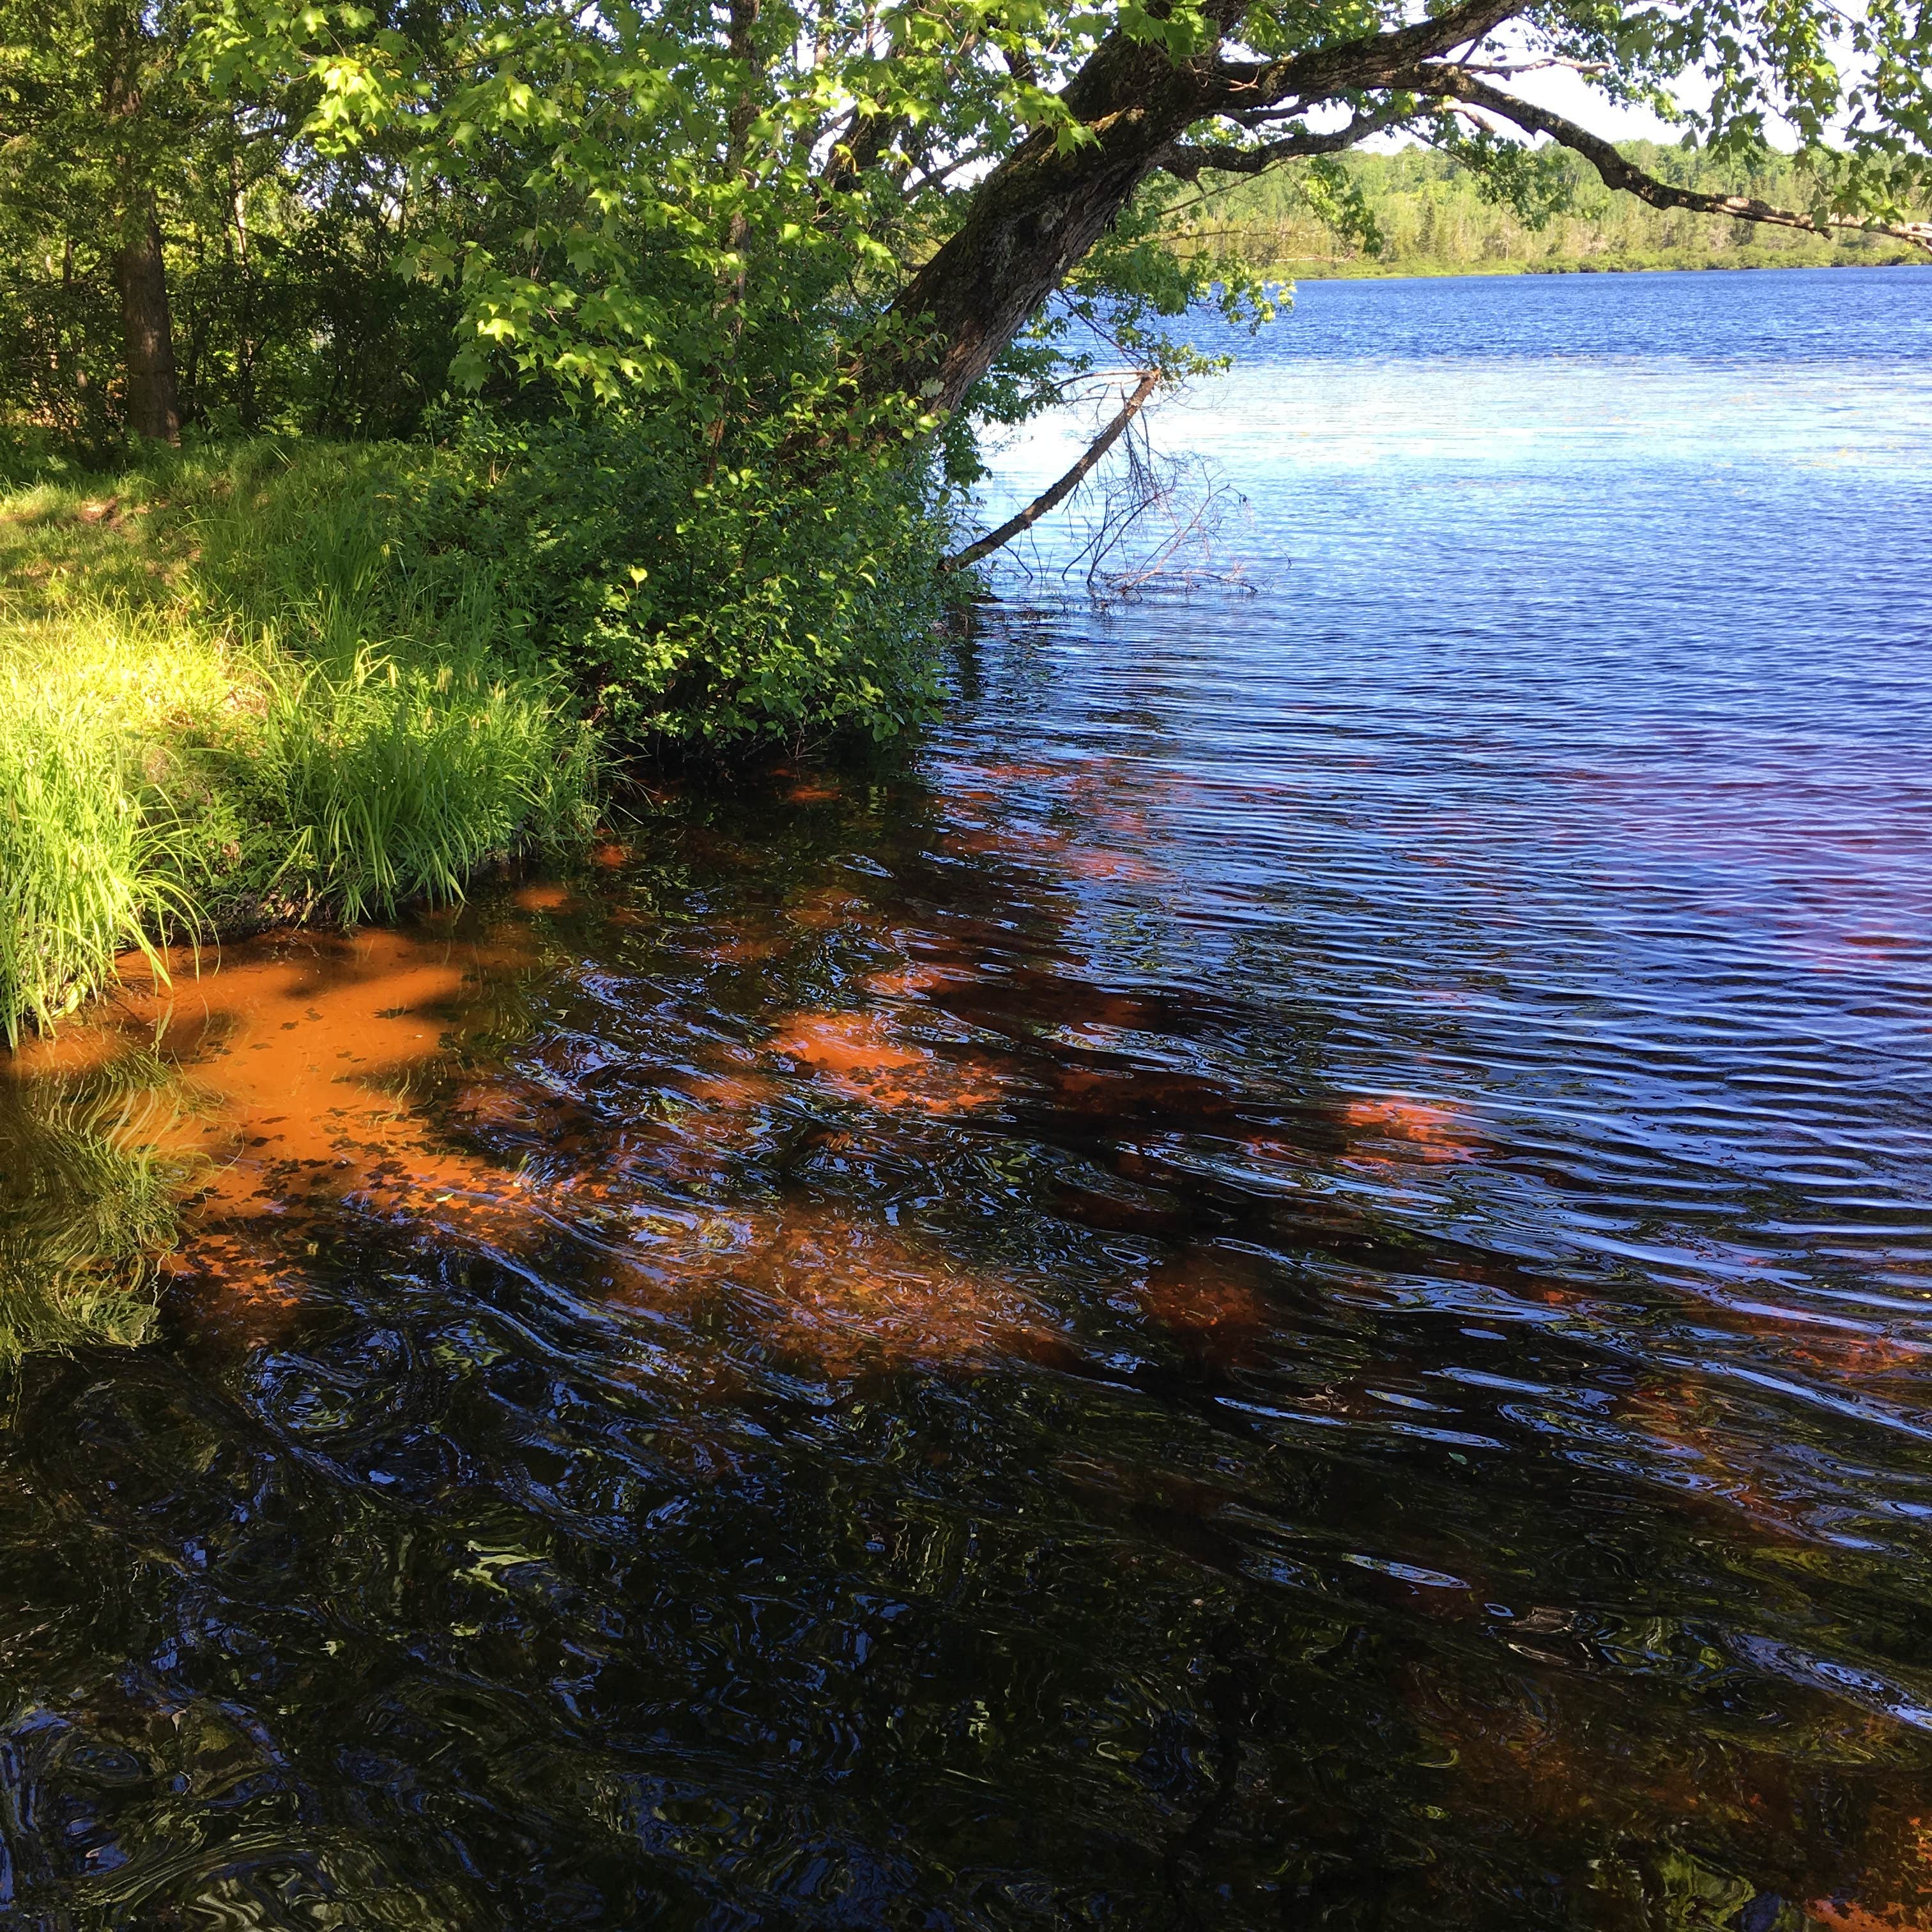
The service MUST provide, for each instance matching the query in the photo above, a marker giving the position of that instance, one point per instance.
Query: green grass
(226, 699)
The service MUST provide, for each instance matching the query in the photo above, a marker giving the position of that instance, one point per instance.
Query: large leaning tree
(1237, 89)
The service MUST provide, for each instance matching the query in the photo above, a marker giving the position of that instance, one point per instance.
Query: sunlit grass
(398, 783)
(223, 701)
(94, 858)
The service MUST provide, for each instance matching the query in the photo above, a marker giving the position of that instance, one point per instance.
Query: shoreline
(1326, 269)
(228, 707)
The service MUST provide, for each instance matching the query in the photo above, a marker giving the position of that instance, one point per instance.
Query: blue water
(1555, 710)
(1283, 1280)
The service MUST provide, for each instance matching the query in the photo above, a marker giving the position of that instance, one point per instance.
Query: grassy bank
(227, 697)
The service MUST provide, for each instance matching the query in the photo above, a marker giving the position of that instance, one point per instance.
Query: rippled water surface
(1287, 1283)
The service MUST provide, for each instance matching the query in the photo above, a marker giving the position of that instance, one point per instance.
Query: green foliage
(1426, 211)
(681, 287)
(287, 313)
(395, 783)
(225, 702)
(1535, 184)
(785, 594)
(702, 208)
(89, 866)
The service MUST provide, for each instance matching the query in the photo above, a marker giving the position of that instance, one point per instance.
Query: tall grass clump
(396, 783)
(87, 869)
(229, 700)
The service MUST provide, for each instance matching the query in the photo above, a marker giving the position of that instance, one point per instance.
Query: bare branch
(1050, 499)
(934, 176)
(1506, 69)
(1462, 85)
(1185, 161)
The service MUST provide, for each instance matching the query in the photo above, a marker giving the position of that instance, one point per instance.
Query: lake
(1285, 1279)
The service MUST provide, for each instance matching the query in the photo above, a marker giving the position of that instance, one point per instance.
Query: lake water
(1286, 1283)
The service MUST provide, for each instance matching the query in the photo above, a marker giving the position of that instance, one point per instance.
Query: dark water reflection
(1221, 1306)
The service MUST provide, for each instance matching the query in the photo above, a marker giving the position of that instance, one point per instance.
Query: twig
(1050, 499)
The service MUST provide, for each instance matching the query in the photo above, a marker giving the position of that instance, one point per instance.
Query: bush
(774, 600)
(284, 680)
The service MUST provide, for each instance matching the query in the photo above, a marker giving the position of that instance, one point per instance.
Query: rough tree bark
(147, 328)
(1037, 213)
(140, 271)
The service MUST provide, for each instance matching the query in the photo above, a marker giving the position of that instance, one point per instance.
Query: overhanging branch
(1185, 161)
(1373, 62)
(1447, 81)
(1051, 499)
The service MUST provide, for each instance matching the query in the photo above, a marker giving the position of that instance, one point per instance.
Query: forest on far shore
(1418, 211)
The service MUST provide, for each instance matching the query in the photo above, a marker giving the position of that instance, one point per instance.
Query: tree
(169, 256)
(93, 102)
(907, 188)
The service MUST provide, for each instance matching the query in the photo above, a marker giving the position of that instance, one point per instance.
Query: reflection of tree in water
(781, 1390)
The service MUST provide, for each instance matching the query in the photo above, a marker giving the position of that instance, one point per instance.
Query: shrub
(768, 600)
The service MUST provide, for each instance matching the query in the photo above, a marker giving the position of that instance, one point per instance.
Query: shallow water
(1289, 1282)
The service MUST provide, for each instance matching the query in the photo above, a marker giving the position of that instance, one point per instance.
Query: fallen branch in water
(1050, 499)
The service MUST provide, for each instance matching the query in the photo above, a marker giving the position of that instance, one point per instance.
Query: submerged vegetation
(89, 1203)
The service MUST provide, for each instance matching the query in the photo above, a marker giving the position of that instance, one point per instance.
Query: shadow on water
(1287, 1287)
(755, 1386)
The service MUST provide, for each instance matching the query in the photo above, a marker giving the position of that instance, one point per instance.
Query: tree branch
(1185, 161)
(1459, 84)
(1051, 499)
(871, 136)
(1375, 62)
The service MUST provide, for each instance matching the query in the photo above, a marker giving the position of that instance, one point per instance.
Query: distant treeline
(1429, 217)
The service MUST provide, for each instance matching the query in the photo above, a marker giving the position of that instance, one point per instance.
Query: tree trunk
(1032, 220)
(1040, 211)
(147, 332)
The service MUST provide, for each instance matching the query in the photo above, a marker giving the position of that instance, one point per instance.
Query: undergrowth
(225, 700)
